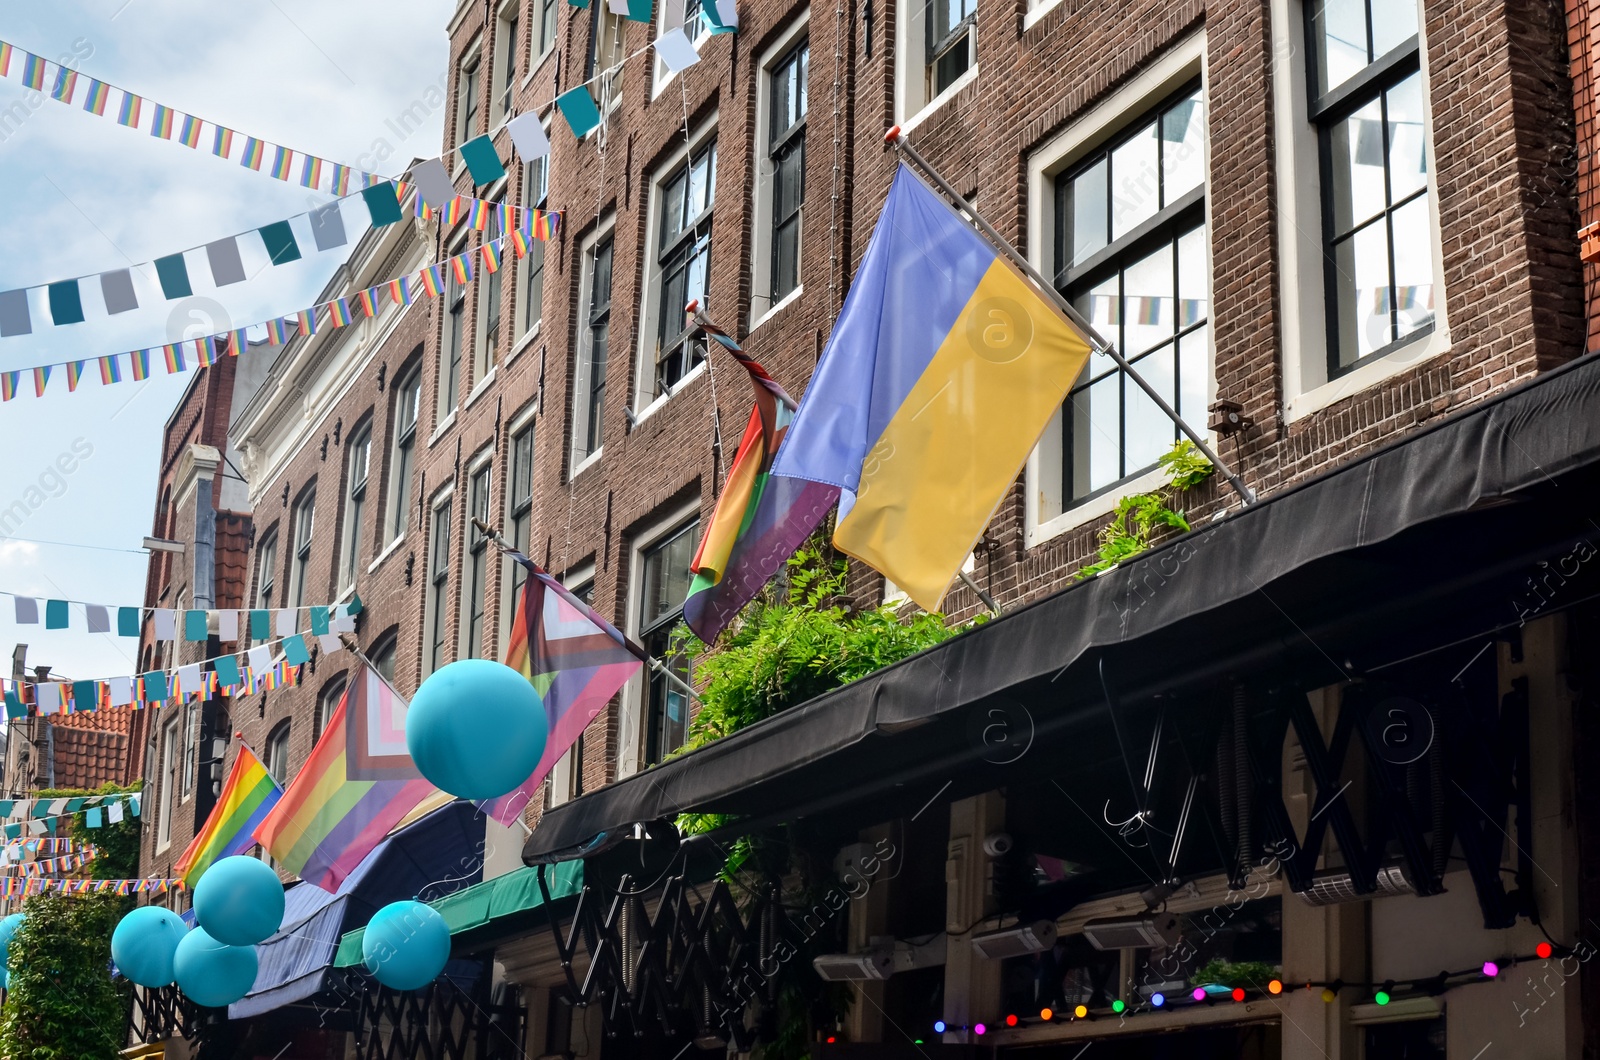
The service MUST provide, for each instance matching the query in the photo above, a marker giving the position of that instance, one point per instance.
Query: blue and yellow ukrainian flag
(944, 368)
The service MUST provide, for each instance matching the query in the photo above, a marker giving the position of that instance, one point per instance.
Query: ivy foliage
(1140, 518)
(1252, 975)
(118, 844)
(62, 1004)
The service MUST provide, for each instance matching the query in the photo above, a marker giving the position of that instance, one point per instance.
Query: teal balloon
(8, 928)
(144, 943)
(406, 944)
(211, 973)
(476, 729)
(239, 901)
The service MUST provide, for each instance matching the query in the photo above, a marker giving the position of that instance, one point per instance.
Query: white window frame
(350, 535)
(564, 773)
(603, 22)
(471, 59)
(490, 286)
(449, 380)
(444, 499)
(1301, 270)
(398, 507)
(635, 694)
(266, 570)
(169, 802)
(761, 199)
(645, 401)
(504, 45)
(536, 17)
(579, 430)
(300, 560)
(1045, 515)
(913, 102)
(670, 16)
(526, 421)
(481, 463)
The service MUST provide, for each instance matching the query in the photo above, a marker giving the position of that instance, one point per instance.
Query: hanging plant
(1140, 518)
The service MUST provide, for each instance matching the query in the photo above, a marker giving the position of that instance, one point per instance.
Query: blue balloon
(406, 944)
(476, 729)
(211, 973)
(144, 943)
(8, 928)
(239, 901)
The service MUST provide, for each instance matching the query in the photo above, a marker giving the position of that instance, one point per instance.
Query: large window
(305, 515)
(665, 579)
(451, 342)
(519, 514)
(543, 37)
(266, 570)
(685, 199)
(477, 563)
(382, 655)
(169, 781)
(407, 399)
(505, 65)
(487, 348)
(327, 703)
(359, 460)
(467, 99)
(1367, 103)
(1131, 254)
(438, 587)
(786, 155)
(530, 272)
(589, 397)
(277, 750)
(606, 54)
(951, 42)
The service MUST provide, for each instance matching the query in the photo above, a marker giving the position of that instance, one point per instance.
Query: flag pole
(896, 140)
(656, 665)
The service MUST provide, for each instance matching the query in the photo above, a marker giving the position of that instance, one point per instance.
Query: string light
(1491, 969)
(1157, 1000)
(1328, 995)
(980, 1030)
(1199, 993)
(938, 1026)
(1238, 993)
(1544, 950)
(1011, 1020)
(1381, 997)
(1275, 987)
(1118, 1006)
(1047, 1014)
(1080, 1012)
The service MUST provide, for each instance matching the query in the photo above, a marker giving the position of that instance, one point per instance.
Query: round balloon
(144, 943)
(405, 944)
(239, 901)
(211, 973)
(476, 729)
(8, 928)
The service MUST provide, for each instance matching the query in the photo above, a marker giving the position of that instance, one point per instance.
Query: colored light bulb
(1238, 993)
(1381, 997)
(938, 1026)
(1275, 987)
(980, 1029)
(1081, 1011)
(1011, 1020)
(1199, 993)
(1491, 969)
(1047, 1014)
(1118, 1006)
(1544, 950)
(1328, 995)
(1157, 1000)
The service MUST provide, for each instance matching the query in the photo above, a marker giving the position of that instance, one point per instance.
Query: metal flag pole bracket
(893, 138)
(656, 665)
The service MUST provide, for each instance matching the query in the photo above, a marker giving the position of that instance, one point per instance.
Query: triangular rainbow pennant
(41, 376)
(74, 373)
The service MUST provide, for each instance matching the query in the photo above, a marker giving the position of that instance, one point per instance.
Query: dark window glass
(477, 561)
(536, 189)
(519, 498)
(787, 153)
(665, 583)
(408, 395)
(454, 335)
(360, 460)
(469, 100)
(439, 586)
(508, 73)
(327, 703)
(304, 517)
(599, 328)
(950, 41)
(684, 256)
(547, 27)
(1131, 255)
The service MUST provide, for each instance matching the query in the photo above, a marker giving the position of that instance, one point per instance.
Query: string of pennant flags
(39, 816)
(27, 887)
(55, 866)
(675, 48)
(196, 624)
(48, 845)
(63, 301)
(338, 312)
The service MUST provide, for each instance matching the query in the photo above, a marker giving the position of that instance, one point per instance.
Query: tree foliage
(118, 844)
(62, 1004)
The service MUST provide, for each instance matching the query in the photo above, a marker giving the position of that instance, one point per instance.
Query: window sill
(443, 428)
(1089, 510)
(939, 101)
(1368, 375)
(1037, 14)
(650, 410)
(779, 306)
(525, 341)
(586, 463)
(482, 388)
(388, 550)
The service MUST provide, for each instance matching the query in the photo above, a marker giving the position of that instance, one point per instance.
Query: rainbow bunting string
(110, 370)
(189, 131)
(41, 376)
(74, 373)
(222, 145)
(339, 312)
(139, 360)
(281, 161)
(161, 122)
(128, 111)
(254, 153)
(33, 72)
(98, 96)
(311, 172)
(66, 84)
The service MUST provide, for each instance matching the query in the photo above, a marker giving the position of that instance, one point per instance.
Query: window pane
(1194, 370)
(1097, 434)
(1149, 431)
(1087, 218)
(1408, 150)
(1194, 279)
(1340, 31)
(1147, 310)
(1101, 306)
(1183, 152)
(1413, 266)
(1134, 182)
(1393, 23)
(1357, 167)
(1362, 279)
(666, 575)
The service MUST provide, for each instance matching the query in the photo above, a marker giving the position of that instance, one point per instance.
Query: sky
(84, 195)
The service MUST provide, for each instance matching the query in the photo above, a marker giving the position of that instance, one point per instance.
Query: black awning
(1404, 549)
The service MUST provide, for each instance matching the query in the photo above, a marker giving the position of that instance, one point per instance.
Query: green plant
(1218, 972)
(117, 844)
(61, 1003)
(1140, 517)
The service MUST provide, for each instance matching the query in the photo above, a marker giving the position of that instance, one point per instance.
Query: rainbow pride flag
(254, 153)
(311, 172)
(222, 144)
(8, 385)
(326, 823)
(461, 267)
(281, 163)
(339, 312)
(41, 376)
(94, 101)
(759, 520)
(278, 331)
(66, 85)
(341, 179)
(400, 290)
(5, 59)
(128, 112)
(574, 658)
(33, 71)
(74, 373)
(306, 320)
(368, 301)
(161, 123)
(491, 256)
(432, 280)
(189, 131)
(248, 795)
(110, 370)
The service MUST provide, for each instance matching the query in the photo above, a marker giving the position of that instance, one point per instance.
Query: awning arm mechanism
(895, 139)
